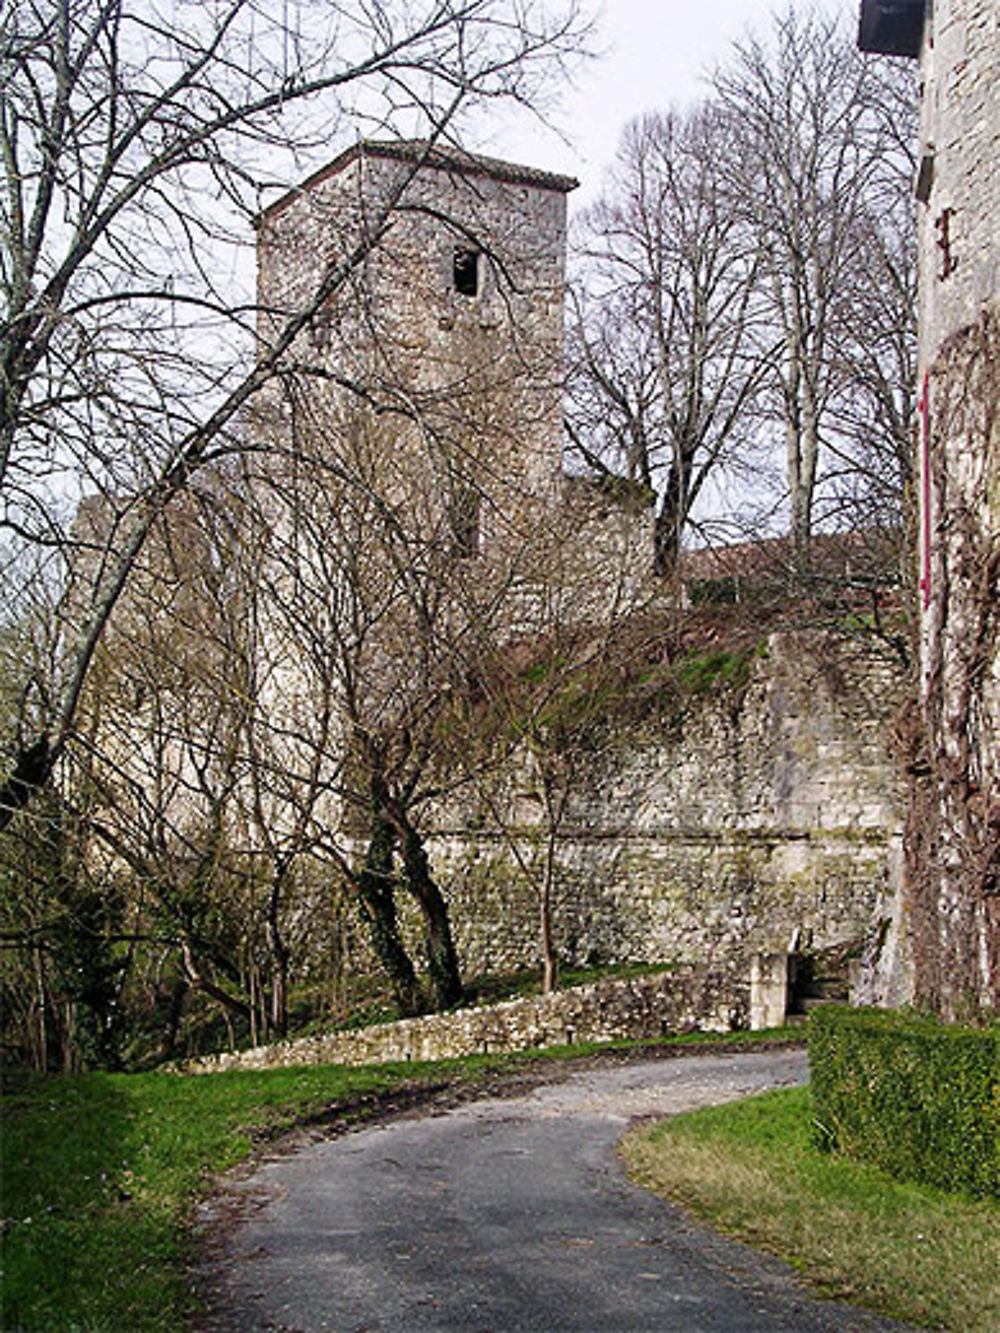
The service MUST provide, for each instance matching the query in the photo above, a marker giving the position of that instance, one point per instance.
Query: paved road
(508, 1216)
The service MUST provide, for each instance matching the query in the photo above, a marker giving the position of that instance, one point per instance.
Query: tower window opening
(464, 520)
(465, 271)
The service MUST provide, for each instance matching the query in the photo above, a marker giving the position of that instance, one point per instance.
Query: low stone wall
(644, 1007)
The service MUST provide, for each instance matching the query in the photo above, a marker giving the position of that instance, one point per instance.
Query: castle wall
(960, 142)
(741, 821)
(952, 883)
(437, 407)
(751, 819)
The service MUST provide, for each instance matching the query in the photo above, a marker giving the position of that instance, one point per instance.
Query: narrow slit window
(465, 271)
(464, 520)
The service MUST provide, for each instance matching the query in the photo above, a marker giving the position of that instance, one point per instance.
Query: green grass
(699, 673)
(100, 1172)
(750, 1169)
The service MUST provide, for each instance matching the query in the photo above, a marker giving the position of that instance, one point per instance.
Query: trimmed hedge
(918, 1099)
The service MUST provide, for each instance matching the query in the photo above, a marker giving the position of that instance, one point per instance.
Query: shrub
(918, 1099)
(722, 591)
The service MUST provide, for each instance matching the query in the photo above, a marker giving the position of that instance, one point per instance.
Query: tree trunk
(378, 909)
(279, 994)
(442, 960)
(801, 534)
(666, 547)
(32, 771)
(549, 961)
(280, 960)
(42, 1050)
(178, 994)
(810, 458)
(197, 982)
(801, 438)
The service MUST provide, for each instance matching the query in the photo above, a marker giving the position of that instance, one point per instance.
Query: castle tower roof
(425, 153)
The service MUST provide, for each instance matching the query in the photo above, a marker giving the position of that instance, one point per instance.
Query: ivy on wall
(951, 735)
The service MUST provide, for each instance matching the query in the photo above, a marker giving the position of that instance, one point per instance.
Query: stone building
(437, 358)
(411, 466)
(952, 881)
(450, 324)
(435, 280)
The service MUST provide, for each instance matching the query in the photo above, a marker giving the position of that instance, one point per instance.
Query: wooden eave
(892, 27)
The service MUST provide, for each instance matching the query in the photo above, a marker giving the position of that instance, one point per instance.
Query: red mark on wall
(924, 408)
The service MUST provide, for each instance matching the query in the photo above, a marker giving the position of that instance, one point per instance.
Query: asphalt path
(506, 1215)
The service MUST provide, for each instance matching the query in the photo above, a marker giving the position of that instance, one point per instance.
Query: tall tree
(665, 340)
(873, 415)
(134, 135)
(812, 162)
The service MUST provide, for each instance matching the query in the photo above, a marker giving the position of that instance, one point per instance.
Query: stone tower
(955, 845)
(952, 881)
(437, 281)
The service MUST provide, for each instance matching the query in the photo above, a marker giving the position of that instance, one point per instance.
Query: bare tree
(666, 338)
(873, 416)
(338, 727)
(165, 688)
(134, 136)
(749, 269)
(815, 155)
(533, 701)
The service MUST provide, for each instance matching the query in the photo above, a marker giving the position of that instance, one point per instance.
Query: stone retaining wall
(644, 1007)
(746, 819)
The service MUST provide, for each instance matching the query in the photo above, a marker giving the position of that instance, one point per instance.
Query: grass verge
(750, 1170)
(100, 1172)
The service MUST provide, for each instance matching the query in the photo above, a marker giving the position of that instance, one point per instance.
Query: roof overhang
(421, 154)
(892, 27)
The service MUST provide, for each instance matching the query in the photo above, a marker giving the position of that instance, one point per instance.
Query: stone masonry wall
(960, 134)
(951, 890)
(645, 1007)
(952, 883)
(747, 820)
(760, 818)
(473, 383)
(487, 366)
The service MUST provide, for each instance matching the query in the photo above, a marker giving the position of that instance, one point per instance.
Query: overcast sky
(657, 54)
